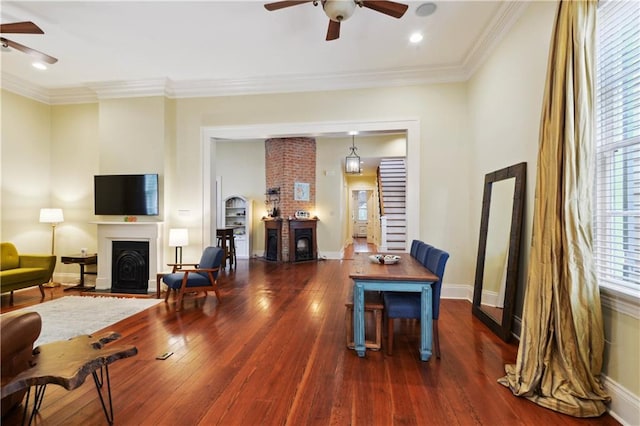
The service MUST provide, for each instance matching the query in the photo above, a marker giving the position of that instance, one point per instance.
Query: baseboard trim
(625, 406)
(457, 291)
(68, 278)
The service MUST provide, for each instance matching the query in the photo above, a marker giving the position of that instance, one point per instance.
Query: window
(362, 205)
(617, 196)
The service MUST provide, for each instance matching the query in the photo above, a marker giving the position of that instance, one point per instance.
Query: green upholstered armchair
(21, 271)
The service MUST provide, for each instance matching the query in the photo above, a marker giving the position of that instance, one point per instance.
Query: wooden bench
(372, 303)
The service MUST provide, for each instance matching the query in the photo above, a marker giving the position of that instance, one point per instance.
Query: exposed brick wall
(289, 161)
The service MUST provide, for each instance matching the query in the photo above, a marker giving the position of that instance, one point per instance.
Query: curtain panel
(561, 347)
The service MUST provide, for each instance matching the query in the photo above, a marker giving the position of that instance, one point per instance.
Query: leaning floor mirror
(497, 267)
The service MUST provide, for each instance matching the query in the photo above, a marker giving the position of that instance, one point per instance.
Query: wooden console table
(67, 363)
(90, 259)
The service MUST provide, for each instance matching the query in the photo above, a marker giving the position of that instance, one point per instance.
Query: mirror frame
(519, 172)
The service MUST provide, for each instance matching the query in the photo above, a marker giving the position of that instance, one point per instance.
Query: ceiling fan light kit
(341, 10)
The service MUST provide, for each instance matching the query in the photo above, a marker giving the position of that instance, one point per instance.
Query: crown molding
(130, 89)
(500, 25)
(507, 15)
(16, 85)
(315, 82)
(93, 92)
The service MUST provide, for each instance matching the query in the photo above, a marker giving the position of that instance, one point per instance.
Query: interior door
(371, 214)
(360, 214)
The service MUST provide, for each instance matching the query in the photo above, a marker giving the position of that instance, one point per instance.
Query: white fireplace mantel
(128, 231)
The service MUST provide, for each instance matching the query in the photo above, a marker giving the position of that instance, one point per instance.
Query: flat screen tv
(126, 194)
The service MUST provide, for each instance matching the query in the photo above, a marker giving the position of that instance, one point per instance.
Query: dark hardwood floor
(274, 352)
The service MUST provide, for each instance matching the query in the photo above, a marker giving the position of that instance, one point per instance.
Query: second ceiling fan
(26, 27)
(340, 10)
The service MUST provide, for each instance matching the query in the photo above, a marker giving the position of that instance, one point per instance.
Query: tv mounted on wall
(126, 194)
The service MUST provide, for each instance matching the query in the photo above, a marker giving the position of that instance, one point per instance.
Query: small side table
(90, 259)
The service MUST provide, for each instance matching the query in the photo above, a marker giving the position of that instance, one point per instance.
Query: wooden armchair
(195, 277)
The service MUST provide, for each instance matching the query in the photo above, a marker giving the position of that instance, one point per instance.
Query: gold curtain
(560, 354)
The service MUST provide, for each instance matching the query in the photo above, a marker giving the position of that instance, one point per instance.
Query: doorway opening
(211, 134)
(361, 213)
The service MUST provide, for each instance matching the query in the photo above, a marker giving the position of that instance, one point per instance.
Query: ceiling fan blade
(333, 32)
(390, 8)
(282, 4)
(26, 27)
(41, 56)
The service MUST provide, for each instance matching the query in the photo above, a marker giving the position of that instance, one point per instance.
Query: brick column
(289, 161)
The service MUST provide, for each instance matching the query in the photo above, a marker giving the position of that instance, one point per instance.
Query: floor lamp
(54, 217)
(178, 238)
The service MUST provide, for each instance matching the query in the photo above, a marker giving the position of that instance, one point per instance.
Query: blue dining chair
(407, 305)
(414, 247)
(190, 277)
(423, 253)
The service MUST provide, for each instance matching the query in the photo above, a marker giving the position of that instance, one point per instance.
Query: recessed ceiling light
(426, 9)
(416, 38)
(39, 65)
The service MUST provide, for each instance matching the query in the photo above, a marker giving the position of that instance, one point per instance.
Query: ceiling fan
(340, 10)
(26, 27)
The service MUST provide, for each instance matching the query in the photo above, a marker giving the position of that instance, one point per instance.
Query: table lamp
(178, 238)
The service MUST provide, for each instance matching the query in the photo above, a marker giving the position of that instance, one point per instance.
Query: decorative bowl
(388, 259)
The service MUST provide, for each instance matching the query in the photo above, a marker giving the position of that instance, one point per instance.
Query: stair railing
(380, 198)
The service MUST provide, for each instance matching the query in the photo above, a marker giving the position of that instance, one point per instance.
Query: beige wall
(241, 168)
(74, 160)
(505, 103)
(622, 348)
(26, 172)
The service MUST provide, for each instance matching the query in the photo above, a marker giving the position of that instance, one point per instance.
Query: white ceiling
(204, 48)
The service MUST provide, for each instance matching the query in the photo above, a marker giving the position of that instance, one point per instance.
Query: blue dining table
(407, 275)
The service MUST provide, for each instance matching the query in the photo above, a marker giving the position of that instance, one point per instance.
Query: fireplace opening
(130, 267)
(273, 238)
(302, 240)
(303, 244)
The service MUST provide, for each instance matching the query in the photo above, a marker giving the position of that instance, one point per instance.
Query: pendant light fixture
(352, 161)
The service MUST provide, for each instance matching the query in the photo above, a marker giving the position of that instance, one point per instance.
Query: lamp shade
(51, 216)
(178, 237)
(339, 10)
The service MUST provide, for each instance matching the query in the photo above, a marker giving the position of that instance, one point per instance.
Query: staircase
(392, 178)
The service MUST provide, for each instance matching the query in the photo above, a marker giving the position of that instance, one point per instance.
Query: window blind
(617, 186)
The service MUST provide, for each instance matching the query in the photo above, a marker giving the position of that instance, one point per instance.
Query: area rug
(71, 316)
